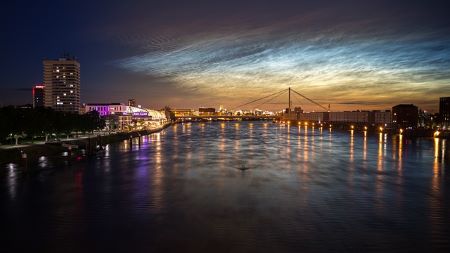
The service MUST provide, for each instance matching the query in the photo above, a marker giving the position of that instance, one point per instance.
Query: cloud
(350, 61)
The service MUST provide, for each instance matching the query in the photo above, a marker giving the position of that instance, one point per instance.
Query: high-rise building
(62, 84)
(444, 111)
(405, 116)
(38, 95)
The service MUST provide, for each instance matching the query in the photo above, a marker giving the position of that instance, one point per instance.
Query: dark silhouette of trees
(42, 122)
(170, 115)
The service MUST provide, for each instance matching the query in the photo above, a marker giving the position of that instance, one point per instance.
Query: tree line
(43, 122)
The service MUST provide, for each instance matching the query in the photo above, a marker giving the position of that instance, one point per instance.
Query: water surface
(303, 189)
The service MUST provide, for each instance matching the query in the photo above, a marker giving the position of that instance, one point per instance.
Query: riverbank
(68, 149)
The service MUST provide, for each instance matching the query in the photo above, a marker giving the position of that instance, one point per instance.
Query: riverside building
(444, 111)
(119, 116)
(405, 116)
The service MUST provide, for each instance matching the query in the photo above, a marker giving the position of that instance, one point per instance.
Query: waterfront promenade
(82, 144)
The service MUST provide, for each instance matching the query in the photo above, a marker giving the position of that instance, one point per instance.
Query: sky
(185, 54)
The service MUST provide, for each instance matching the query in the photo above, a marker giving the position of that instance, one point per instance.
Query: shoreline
(73, 148)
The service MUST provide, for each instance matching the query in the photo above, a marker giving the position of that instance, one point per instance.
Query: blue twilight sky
(350, 54)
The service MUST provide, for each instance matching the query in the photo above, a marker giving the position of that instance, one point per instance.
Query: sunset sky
(350, 54)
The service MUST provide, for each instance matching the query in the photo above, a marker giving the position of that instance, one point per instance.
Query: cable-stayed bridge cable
(310, 100)
(271, 98)
(256, 100)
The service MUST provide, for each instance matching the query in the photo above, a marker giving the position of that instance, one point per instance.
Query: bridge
(354, 120)
(268, 99)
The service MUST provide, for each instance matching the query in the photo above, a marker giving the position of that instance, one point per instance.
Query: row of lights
(352, 127)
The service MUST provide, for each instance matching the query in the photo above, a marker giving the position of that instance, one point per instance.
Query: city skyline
(350, 55)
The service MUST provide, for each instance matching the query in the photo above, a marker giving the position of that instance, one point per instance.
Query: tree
(39, 122)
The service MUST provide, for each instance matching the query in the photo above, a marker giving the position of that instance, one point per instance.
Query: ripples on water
(303, 189)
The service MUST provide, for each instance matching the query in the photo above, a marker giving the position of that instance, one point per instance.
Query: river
(236, 187)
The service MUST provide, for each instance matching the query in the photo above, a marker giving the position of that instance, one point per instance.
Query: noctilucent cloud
(336, 68)
(352, 54)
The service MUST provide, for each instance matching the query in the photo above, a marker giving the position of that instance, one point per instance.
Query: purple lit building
(105, 109)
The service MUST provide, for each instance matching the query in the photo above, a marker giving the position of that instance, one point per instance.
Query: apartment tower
(62, 84)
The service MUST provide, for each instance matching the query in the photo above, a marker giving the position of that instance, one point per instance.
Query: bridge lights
(381, 129)
(365, 128)
(436, 134)
(401, 130)
(352, 127)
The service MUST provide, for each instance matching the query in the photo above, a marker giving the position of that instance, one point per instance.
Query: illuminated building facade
(62, 84)
(123, 117)
(350, 116)
(314, 116)
(182, 112)
(376, 118)
(105, 109)
(382, 117)
(118, 122)
(38, 95)
(206, 111)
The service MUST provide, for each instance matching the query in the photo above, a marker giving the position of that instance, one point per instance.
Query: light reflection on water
(12, 179)
(43, 162)
(307, 189)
